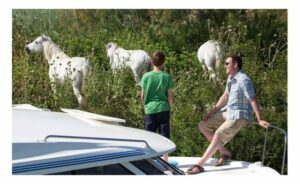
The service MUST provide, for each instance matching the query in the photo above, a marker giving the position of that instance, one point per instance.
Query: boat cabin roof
(43, 140)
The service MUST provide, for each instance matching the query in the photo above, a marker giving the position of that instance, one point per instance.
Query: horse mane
(52, 50)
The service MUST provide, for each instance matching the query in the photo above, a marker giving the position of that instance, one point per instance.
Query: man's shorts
(158, 122)
(225, 129)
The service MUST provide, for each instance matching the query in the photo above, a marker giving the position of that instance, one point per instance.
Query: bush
(260, 35)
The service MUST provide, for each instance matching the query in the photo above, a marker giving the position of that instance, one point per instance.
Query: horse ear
(45, 38)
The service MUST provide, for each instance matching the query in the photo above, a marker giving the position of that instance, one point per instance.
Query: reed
(179, 33)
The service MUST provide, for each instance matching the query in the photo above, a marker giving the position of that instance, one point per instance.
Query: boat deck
(232, 167)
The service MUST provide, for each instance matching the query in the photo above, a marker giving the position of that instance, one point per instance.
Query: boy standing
(157, 97)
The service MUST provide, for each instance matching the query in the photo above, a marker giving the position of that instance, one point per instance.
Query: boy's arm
(142, 96)
(170, 97)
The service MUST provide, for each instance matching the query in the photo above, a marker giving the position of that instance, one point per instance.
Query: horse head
(37, 44)
(110, 48)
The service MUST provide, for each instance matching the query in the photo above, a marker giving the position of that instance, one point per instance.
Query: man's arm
(221, 103)
(256, 110)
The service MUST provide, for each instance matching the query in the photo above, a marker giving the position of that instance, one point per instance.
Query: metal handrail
(265, 144)
(97, 138)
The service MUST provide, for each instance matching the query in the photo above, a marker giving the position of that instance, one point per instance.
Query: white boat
(79, 143)
(46, 142)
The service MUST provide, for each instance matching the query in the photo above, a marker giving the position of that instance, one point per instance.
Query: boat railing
(265, 145)
(96, 138)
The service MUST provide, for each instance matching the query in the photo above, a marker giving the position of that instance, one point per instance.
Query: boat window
(147, 167)
(166, 167)
(115, 169)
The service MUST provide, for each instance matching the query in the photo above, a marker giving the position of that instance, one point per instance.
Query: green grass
(178, 33)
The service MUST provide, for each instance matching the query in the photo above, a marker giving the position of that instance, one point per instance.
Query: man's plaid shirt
(240, 89)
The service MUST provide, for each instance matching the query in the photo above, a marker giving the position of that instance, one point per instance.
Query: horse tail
(86, 68)
(148, 63)
(218, 54)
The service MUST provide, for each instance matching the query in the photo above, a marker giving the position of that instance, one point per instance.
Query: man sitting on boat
(232, 112)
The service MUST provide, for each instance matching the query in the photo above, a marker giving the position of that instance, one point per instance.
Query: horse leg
(212, 74)
(204, 67)
(136, 78)
(76, 84)
(205, 72)
(52, 79)
(53, 87)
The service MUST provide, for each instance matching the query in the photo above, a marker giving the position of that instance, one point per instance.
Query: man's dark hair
(158, 58)
(237, 59)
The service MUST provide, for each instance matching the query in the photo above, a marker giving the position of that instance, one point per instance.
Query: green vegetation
(260, 35)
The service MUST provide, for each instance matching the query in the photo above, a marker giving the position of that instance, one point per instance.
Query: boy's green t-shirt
(155, 86)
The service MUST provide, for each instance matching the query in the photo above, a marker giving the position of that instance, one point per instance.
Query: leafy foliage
(259, 35)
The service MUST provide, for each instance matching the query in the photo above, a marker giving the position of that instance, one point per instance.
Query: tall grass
(178, 33)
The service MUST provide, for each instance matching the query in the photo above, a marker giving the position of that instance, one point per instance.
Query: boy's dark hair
(158, 58)
(237, 59)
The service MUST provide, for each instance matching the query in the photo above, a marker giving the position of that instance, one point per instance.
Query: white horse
(210, 55)
(137, 60)
(61, 66)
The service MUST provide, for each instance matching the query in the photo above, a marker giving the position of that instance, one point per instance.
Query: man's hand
(263, 123)
(208, 115)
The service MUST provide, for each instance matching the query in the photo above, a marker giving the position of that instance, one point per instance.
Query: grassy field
(260, 35)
